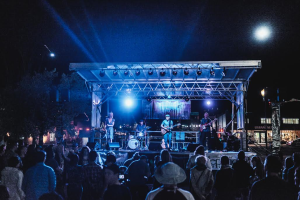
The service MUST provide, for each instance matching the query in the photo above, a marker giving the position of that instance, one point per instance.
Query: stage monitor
(158, 108)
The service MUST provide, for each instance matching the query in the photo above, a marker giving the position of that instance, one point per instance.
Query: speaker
(113, 145)
(155, 146)
(192, 146)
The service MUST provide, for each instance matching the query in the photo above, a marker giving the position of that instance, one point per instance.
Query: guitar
(203, 126)
(164, 130)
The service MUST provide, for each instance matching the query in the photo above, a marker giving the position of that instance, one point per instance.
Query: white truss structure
(168, 80)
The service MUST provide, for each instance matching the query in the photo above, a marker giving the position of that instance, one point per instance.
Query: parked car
(296, 143)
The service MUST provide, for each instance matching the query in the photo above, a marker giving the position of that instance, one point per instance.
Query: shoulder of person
(187, 194)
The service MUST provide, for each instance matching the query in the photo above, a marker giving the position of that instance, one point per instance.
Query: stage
(179, 158)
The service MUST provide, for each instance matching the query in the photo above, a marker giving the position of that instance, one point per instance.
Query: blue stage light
(128, 102)
(52, 54)
(208, 103)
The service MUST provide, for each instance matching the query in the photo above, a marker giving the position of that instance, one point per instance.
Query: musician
(109, 124)
(141, 127)
(206, 132)
(168, 135)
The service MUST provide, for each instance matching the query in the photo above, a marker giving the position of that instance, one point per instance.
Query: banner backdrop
(177, 109)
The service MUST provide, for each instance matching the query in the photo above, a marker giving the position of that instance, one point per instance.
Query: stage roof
(134, 78)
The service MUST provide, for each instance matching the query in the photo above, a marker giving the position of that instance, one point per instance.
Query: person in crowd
(138, 173)
(242, 173)
(297, 180)
(39, 179)
(114, 191)
(291, 171)
(258, 169)
(73, 178)
(272, 187)
(59, 152)
(29, 160)
(50, 161)
(134, 157)
(110, 159)
(84, 155)
(51, 196)
(224, 181)
(165, 157)
(170, 175)
(198, 151)
(201, 179)
(2, 149)
(287, 165)
(123, 170)
(12, 147)
(2, 152)
(93, 179)
(12, 178)
(21, 151)
(4, 194)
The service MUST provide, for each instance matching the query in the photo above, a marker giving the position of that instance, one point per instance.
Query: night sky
(152, 31)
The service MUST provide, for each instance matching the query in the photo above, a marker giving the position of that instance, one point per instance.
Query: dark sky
(152, 31)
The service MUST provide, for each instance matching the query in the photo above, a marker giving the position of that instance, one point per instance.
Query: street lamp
(263, 93)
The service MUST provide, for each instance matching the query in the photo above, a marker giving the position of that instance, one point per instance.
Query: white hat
(170, 173)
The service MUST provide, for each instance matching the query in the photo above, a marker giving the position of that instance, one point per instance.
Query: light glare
(262, 33)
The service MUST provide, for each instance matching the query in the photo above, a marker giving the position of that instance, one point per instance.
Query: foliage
(27, 108)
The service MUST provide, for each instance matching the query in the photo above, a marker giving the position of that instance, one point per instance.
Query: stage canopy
(196, 80)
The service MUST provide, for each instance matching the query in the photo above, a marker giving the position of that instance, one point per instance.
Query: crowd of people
(31, 172)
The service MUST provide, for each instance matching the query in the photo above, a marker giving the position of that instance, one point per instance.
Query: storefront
(259, 135)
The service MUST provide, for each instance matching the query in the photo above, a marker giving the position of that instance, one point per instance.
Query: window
(263, 120)
(290, 120)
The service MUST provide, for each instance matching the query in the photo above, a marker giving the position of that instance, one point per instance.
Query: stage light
(126, 72)
(208, 103)
(186, 98)
(162, 72)
(128, 102)
(223, 72)
(87, 129)
(174, 72)
(262, 33)
(102, 73)
(186, 71)
(52, 54)
(150, 72)
(149, 99)
(199, 72)
(115, 72)
(212, 72)
(137, 72)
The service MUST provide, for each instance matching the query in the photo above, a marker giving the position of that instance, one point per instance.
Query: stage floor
(180, 157)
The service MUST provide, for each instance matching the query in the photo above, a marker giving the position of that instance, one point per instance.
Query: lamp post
(263, 93)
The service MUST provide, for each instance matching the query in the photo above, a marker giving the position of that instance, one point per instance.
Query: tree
(26, 109)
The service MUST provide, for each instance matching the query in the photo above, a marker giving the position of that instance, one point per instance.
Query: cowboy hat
(170, 173)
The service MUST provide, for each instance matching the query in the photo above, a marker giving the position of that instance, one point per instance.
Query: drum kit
(138, 141)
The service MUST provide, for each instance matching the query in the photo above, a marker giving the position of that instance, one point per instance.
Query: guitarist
(168, 135)
(206, 132)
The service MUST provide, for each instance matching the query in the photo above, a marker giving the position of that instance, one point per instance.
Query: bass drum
(133, 144)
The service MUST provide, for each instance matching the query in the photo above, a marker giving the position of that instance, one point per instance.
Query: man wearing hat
(169, 175)
(167, 125)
